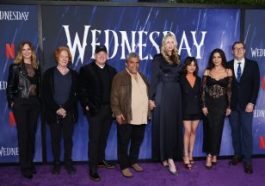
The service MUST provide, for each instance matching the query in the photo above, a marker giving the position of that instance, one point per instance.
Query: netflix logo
(262, 142)
(9, 51)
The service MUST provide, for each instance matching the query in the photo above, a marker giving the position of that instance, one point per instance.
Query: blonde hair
(59, 50)
(19, 56)
(174, 58)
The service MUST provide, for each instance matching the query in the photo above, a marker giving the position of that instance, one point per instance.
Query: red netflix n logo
(262, 142)
(10, 51)
(11, 118)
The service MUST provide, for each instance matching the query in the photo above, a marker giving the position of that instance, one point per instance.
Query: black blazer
(90, 86)
(191, 99)
(47, 95)
(246, 91)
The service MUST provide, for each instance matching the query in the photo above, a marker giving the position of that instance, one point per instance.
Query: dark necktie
(239, 71)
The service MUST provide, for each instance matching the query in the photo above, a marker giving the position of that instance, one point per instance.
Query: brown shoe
(126, 173)
(137, 167)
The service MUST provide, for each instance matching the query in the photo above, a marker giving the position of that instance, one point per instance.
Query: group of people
(174, 97)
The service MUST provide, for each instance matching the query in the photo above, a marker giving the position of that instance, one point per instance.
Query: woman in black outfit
(165, 100)
(216, 99)
(191, 107)
(60, 98)
(22, 95)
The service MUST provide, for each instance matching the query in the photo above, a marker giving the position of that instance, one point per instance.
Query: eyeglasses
(239, 49)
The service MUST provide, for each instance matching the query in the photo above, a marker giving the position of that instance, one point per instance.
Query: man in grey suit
(245, 88)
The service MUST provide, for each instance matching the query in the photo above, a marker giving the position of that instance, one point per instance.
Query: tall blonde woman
(165, 95)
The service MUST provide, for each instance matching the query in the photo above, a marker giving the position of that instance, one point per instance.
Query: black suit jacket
(47, 95)
(90, 86)
(246, 91)
(191, 96)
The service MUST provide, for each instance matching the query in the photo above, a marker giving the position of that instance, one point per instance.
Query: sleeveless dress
(216, 96)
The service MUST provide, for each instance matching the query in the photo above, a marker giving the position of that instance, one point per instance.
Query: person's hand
(228, 112)
(120, 119)
(205, 111)
(87, 108)
(151, 105)
(12, 104)
(61, 112)
(249, 107)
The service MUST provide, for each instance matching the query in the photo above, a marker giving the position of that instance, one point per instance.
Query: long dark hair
(187, 62)
(222, 54)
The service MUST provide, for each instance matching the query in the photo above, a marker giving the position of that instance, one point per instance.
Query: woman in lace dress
(216, 98)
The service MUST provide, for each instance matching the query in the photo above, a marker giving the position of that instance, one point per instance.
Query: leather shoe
(94, 176)
(248, 168)
(56, 169)
(137, 167)
(235, 160)
(106, 164)
(70, 169)
(27, 174)
(126, 173)
(33, 169)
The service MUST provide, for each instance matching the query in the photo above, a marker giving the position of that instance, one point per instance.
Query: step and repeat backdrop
(255, 43)
(124, 29)
(17, 23)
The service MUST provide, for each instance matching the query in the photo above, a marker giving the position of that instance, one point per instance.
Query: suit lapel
(245, 69)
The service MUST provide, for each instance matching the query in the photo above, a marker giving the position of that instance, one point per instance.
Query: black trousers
(127, 133)
(26, 113)
(63, 127)
(99, 127)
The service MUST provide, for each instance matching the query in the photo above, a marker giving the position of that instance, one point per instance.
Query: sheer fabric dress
(216, 96)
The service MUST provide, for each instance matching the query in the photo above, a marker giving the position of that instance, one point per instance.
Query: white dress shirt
(242, 65)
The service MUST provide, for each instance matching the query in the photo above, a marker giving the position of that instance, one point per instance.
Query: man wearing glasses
(245, 88)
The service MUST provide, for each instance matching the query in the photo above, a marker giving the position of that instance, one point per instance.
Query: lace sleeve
(203, 91)
(229, 91)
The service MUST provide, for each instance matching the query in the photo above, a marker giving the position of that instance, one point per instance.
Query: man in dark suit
(95, 86)
(245, 90)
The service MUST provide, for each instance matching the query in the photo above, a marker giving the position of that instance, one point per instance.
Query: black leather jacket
(18, 83)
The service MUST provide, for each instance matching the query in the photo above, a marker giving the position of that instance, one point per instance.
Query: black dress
(191, 99)
(166, 92)
(216, 96)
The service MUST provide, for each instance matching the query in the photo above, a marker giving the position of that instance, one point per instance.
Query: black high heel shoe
(214, 160)
(209, 164)
(191, 161)
(187, 163)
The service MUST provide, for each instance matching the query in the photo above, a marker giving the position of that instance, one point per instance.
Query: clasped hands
(61, 112)
(205, 111)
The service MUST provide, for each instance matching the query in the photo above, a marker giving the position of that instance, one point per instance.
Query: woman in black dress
(22, 95)
(60, 98)
(191, 107)
(165, 95)
(216, 98)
